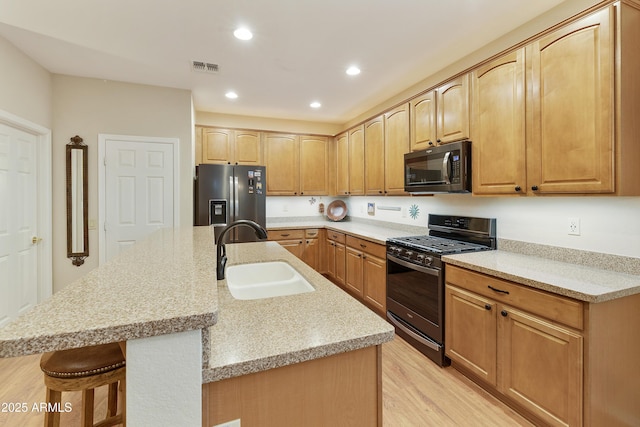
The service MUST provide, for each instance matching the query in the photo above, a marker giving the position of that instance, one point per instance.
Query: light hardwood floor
(416, 392)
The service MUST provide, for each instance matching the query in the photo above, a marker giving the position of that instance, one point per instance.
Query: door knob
(35, 240)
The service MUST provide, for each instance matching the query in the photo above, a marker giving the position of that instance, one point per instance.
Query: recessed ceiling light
(353, 70)
(315, 104)
(243, 34)
(231, 95)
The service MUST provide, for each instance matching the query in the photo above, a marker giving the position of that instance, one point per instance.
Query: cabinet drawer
(553, 307)
(285, 234)
(366, 246)
(335, 236)
(311, 233)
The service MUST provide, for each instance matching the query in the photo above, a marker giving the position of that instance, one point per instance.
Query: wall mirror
(77, 202)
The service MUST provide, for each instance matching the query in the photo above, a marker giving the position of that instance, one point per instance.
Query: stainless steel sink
(265, 280)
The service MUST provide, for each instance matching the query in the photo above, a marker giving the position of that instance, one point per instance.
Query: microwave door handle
(445, 168)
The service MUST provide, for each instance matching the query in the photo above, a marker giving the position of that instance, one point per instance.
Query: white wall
(608, 224)
(88, 107)
(292, 207)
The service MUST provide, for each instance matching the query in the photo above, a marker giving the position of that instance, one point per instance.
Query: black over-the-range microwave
(441, 169)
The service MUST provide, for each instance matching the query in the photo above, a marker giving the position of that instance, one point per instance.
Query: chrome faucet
(221, 251)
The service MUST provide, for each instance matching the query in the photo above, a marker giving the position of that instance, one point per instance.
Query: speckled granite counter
(576, 281)
(256, 335)
(162, 285)
(376, 231)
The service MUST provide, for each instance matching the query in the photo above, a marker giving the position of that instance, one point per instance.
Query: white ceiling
(298, 54)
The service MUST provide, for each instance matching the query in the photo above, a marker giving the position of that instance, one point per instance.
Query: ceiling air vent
(205, 67)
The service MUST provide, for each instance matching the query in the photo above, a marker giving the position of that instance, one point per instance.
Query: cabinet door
(396, 144)
(296, 247)
(330, 257)
(314, 165)
(217, 146)
(470, 335)
(498, 116)
(571, 98)
(375, 282)
(342, 166)
(453, 110)
(353, 279)
(311, 253)
(282, 161)
(356, 161)
(198, 132)
(247, 148)
(423, 121)
(374, 156)
(340, 264)
(542, 366)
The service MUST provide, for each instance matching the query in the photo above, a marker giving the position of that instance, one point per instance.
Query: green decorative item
(414, 211)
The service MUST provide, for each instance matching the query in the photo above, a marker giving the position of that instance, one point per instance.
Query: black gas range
(415, 277)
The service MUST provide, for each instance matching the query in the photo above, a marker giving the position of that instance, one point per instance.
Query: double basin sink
(265, 280)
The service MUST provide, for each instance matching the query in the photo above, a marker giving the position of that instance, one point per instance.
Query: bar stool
(84, 369)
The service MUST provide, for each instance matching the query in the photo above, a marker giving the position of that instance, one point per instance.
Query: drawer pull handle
(285, 235)
(498, 290)
(363, 246)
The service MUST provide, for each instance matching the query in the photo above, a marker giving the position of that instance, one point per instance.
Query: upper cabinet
(314, 165)
(452, 119)
(423, 121)
(282, 158)
(296, 164)
(498, 123)
(374, 156)
(396, 144)
(571, 100)
(228, 146)
(342, 164)
(356, 161)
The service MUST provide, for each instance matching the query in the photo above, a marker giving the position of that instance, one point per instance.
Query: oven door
(415, 295)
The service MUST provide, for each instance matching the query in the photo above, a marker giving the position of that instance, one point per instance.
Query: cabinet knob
(518, 188)
(487, 306)
(364, 257)
(295, 193)
(438, 140)
(228, 163)
(380, 191)
(504, 313)
(430, 143)
(534, 188)
(301, 193)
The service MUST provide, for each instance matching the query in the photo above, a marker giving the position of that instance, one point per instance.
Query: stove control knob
(408, 254)
(428, 260)
(420, 257)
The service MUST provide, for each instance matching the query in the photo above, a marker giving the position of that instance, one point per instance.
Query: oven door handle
(422, 340)
(427, 270)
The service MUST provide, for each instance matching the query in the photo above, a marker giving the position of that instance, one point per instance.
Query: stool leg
(87, 408)
(112, 406)
(52, 419)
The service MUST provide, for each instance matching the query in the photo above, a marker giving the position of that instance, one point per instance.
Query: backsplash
(607, 224)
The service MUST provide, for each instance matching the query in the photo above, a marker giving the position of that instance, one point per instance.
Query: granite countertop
(378, 233)
(256, 335)
(164, 284)
(580, 282)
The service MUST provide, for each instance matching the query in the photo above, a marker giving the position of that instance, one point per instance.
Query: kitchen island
(184, 330)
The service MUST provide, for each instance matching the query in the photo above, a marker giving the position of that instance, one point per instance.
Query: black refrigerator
(226, 193)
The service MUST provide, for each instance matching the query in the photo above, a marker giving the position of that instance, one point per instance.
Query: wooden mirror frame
(77, 208)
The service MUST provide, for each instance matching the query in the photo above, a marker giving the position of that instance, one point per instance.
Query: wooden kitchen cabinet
(314, 165)
(396, 144)
(452, 106)
(228, 146)
(374, 173)
(282, 158)
(571, 100)
(336, 257)
(524, 343)
(292, 240)
(311, 252)
(366, 272)
(423, 121)
(356, 161)
(342, 164)
(498, 131)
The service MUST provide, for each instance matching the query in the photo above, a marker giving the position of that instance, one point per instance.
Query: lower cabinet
(367, 272)
(291, 240)
(336, 257)
(500, 333)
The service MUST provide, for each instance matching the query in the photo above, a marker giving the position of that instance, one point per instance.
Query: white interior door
(18, 222)
(139, 190)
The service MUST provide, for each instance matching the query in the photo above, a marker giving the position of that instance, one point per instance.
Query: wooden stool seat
(84, 369)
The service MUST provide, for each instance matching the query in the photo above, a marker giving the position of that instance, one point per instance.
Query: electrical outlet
(573, 226)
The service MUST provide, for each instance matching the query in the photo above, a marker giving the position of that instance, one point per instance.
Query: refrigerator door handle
(232, 207)
(237, 212)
